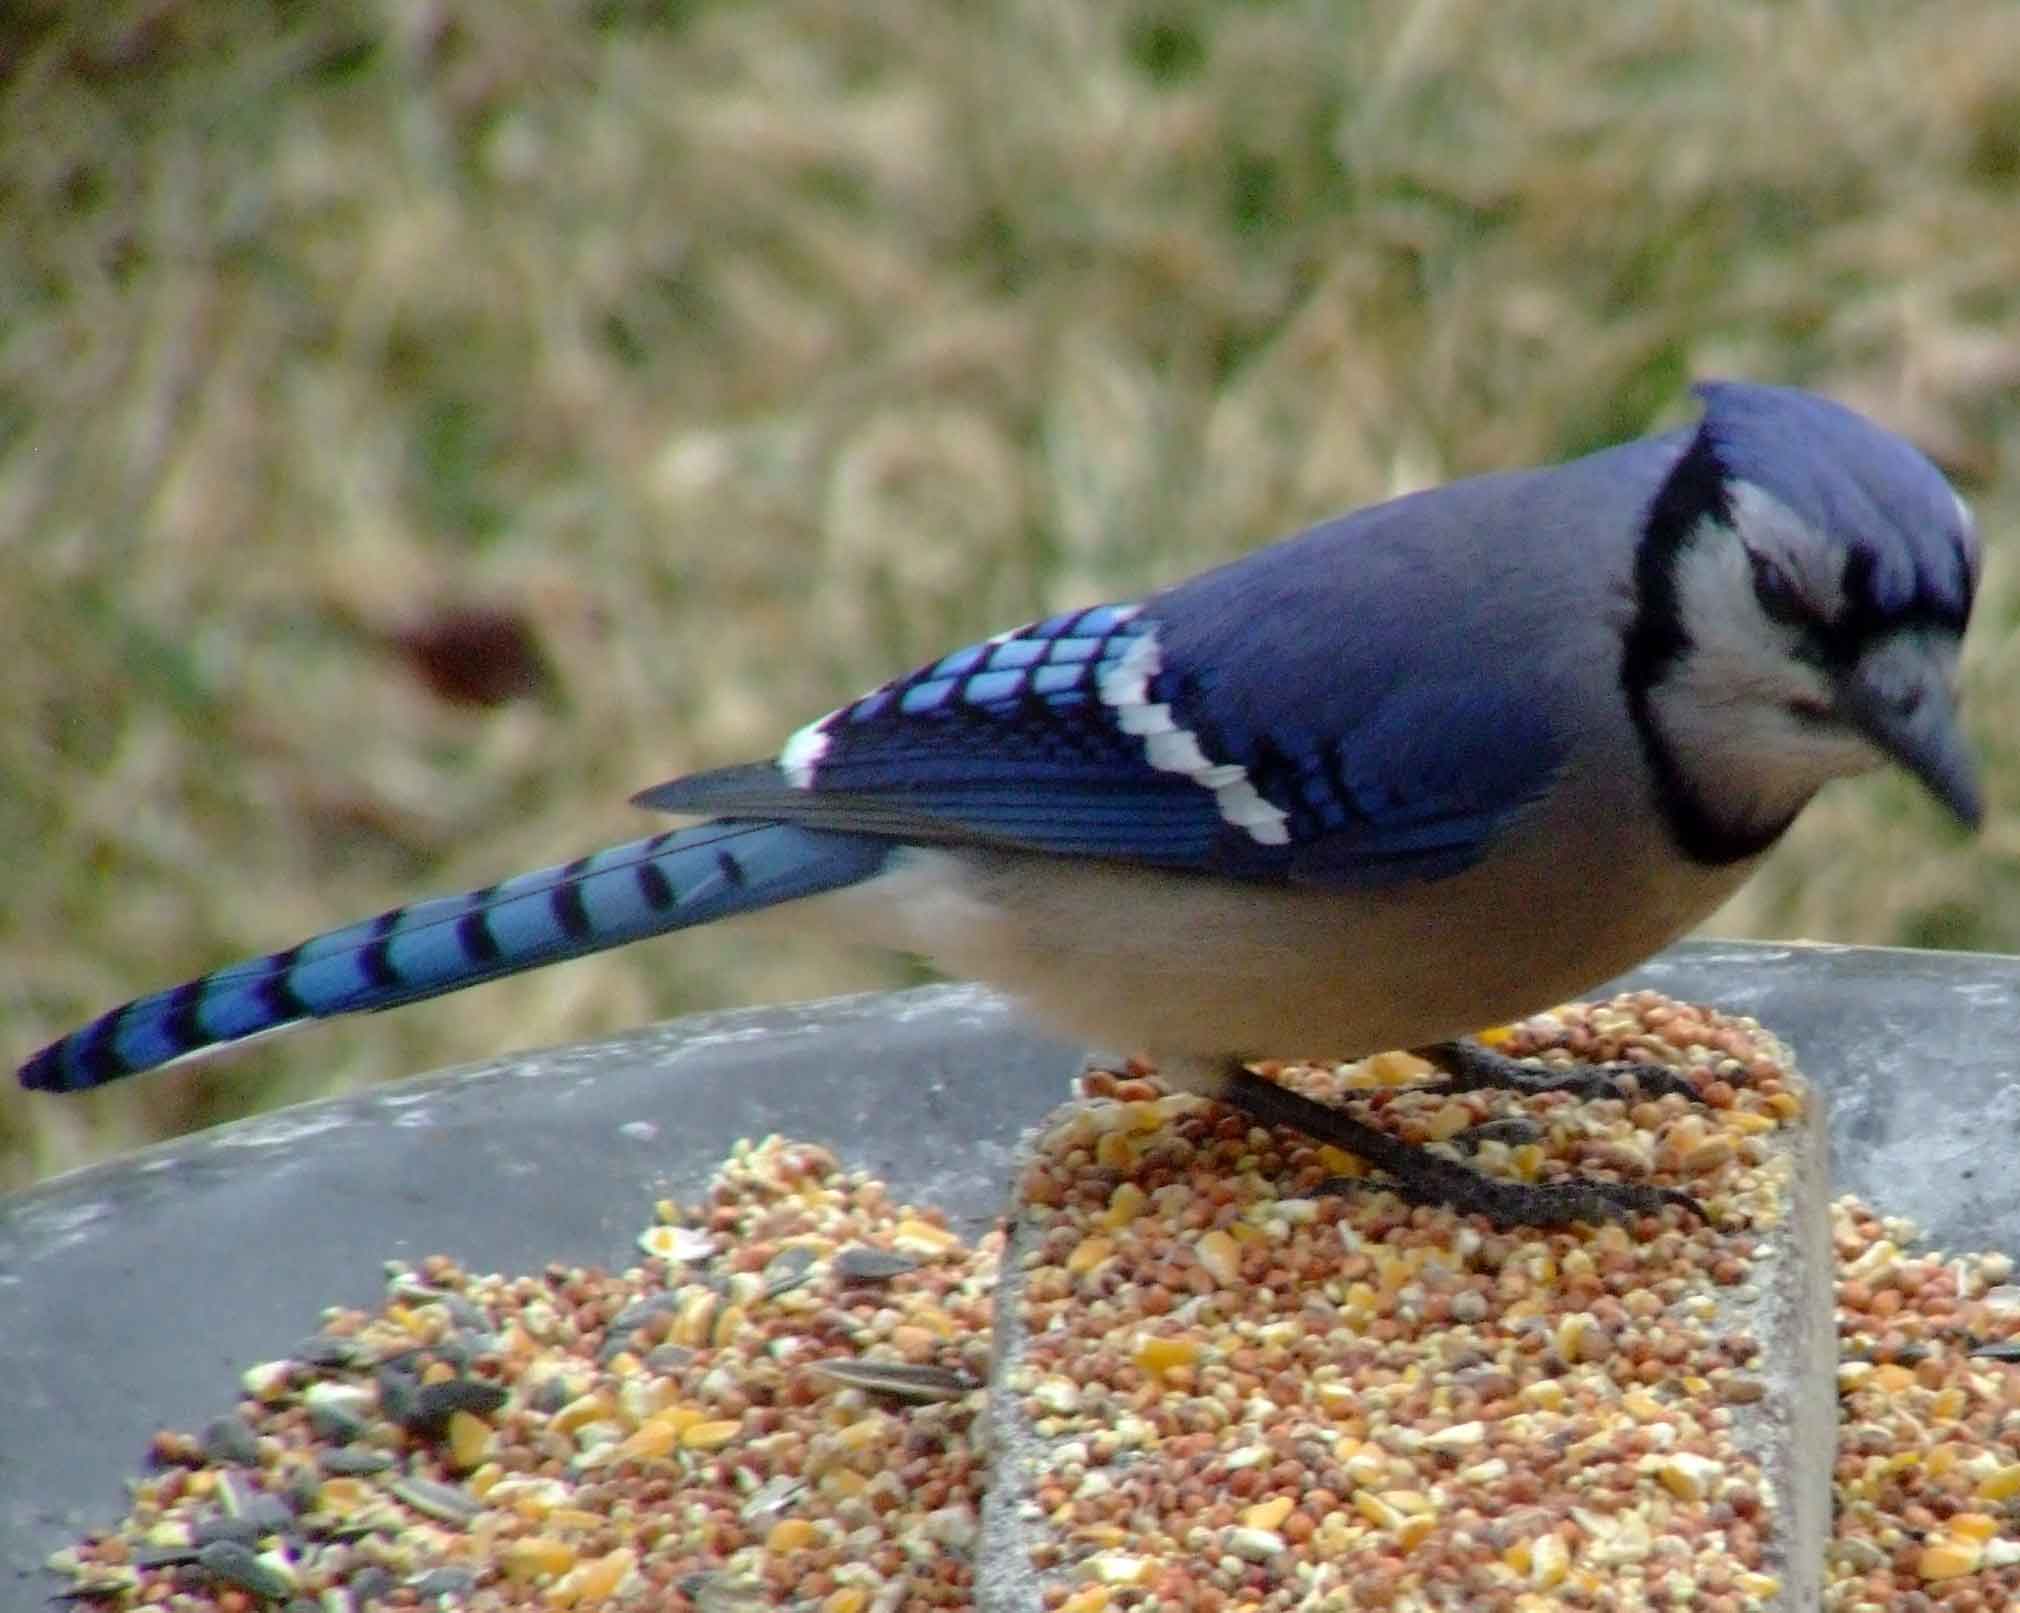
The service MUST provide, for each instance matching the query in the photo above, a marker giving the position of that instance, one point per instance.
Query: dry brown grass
(756, 351)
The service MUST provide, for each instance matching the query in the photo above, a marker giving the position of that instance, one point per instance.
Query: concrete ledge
(131, 1295)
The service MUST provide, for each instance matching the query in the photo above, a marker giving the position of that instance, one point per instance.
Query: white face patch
(1769, 528)
(1170, 748)
(1730, 708)
(1739, 657)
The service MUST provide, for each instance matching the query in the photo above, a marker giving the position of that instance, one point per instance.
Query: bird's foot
(1423, 1177)
(1526, 1204)
(1513, 1130)
(1471, 1067)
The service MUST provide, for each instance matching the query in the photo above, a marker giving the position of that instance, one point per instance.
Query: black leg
(1426, 1178)
(1470, 1067)
(1514, 1130)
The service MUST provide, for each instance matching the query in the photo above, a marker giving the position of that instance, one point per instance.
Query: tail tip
(44, 1073)
(75, 1063)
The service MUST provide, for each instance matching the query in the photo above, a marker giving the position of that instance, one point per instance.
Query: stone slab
(132, 1294)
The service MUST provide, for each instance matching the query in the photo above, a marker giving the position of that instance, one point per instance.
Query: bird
(1418, 770)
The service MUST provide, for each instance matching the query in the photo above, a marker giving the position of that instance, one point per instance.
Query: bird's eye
(1776, 591)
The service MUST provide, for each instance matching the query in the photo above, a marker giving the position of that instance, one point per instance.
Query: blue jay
(1421, 769)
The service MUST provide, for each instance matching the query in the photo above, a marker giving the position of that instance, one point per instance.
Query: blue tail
(667, 882)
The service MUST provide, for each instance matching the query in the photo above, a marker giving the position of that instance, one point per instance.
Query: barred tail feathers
(648, 887)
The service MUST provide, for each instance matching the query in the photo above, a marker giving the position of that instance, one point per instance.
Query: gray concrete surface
(132, 1294)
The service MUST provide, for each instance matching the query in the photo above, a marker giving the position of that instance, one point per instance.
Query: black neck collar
(1656, 640)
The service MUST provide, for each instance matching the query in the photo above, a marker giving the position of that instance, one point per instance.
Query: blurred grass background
(733, 357)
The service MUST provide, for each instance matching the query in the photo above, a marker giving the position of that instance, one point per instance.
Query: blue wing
(1182, 733)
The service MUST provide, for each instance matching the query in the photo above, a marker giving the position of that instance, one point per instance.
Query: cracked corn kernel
(865, 1434)
(1119, 1568)
(592, 1583)
(1338, 1162)
(1336, 1397)
(1547, 1394)
(1221, 1256)
(1688, 1476)
(582, 1410)
(1150, 1114)
(729, 1322)
(1576, 1335)
(710, 1436)
(531, 1556)
(1366, 1465)
(694, 1323)
(471, 1440)
(791, 1534)
(483, 1478)
(1116, 1152)
(1125, 1204)
(652, 1440)
(917, 1237)
(2001, 1484)
(1397, 1069)
(1377, 1511)
(1949, 1558)
(1159, 1355)
(1458, 1437)
(1088, 1253)
(1549, 1562)
(1267, 1514)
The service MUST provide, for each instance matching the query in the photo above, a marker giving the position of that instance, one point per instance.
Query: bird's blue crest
(1909, 550)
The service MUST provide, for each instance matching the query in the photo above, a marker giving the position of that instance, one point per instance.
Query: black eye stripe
(1777, 592)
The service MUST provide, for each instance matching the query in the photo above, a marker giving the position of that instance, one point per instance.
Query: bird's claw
(1442, 1182)
(1427, 1178)
(1470, 1067)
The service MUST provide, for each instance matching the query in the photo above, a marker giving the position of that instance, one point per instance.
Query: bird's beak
(1898, 695)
